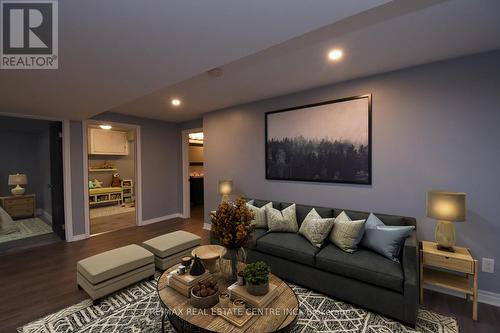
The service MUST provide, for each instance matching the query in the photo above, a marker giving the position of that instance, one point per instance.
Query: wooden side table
(456, 271)
(19, 206)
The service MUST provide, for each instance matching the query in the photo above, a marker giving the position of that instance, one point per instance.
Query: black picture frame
(367, 181)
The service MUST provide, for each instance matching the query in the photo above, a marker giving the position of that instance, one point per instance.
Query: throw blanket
(7, 226)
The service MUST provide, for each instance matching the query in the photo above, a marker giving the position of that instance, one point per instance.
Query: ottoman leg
(96, 301)
(79, 287)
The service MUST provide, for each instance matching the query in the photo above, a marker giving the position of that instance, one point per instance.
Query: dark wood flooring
(39, 281)
(112, 222)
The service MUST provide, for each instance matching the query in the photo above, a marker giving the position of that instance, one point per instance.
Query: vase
(234, 256)
(258, 289)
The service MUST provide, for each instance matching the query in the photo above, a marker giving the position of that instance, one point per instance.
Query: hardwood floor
(112, 222)
(39, 281)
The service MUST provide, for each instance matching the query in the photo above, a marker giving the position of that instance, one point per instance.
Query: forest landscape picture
(324, 142)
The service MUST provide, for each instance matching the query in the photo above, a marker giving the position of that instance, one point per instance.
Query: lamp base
(445, 236)
(18, 190)
(446, 249)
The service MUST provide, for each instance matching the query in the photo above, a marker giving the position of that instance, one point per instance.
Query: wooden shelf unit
(103, 170)
(128, 190)
(455, 271)
(100, 198)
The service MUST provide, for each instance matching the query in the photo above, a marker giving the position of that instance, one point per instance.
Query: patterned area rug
(27, 228)
(138, 309)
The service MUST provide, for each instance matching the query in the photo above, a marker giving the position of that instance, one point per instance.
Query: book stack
(251, 300)
(184, 283)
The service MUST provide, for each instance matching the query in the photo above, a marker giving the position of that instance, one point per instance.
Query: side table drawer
(19, 204)
(455, 264)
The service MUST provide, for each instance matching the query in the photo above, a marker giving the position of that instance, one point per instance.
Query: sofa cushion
(363, 265)
(387, 219)
(289, 246)
(260, 218)
(303, 210)
(172, 243)
(110, 264)
(282, 221)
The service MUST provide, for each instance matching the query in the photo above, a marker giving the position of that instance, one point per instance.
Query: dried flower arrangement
(231, 223)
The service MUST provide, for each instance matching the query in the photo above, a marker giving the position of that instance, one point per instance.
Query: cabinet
(107, 142)
(20, 206)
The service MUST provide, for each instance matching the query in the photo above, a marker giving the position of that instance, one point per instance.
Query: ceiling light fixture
(335, 54)
(105, 127)
(176, 102)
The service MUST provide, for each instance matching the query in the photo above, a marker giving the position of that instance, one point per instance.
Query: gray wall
(434, 127)
(24, 148)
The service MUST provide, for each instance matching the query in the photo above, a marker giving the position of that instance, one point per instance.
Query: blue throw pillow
(385, 240)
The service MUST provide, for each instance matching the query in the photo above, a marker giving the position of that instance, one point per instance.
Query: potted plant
(232, 225)
(257, 278)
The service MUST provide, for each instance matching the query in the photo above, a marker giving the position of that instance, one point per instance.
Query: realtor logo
(29, 36)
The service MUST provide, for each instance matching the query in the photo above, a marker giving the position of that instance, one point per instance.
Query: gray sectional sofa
(364, 278)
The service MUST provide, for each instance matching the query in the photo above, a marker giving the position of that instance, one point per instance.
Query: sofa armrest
(411, 276)
(410, 259)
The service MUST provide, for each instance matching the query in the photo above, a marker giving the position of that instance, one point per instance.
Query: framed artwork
(323, 142)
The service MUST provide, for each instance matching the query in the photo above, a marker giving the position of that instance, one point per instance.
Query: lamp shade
(225, 187)
(18, 179)
(446, 206)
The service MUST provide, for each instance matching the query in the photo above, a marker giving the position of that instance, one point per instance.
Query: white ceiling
(397, 35)
(115, 51)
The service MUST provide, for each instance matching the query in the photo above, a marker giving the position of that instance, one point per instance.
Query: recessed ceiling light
(106, 127)
(176, 102)
(335, 54)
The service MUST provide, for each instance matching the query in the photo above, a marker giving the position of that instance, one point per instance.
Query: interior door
(56, 176)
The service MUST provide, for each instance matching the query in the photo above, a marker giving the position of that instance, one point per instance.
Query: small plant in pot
(257, 278)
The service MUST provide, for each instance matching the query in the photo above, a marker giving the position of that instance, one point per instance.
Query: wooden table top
(207, 252)
(284, 309)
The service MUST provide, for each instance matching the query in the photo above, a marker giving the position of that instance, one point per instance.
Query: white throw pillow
(315, 228)
(260, 220)
(282, 221)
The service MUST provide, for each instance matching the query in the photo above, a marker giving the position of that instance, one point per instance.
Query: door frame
(138, 168)
(186, 200)
(66, 154)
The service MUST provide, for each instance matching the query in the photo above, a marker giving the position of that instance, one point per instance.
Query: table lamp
(446, 207)
(16, 180)
(225, 189)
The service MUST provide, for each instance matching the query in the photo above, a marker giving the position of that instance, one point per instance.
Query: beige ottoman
(170, 248)
(107, 272)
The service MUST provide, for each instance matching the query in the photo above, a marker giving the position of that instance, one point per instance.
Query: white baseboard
(76, 238)
(161, 218)
(207, 226)
(483, 296)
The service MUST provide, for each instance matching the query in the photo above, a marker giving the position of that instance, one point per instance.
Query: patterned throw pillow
(315, 228)
(282, 221)
(345, 232)
(260, 220)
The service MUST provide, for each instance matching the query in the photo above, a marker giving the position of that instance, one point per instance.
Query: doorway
(32, 204)
(193, 173)
(112, 184)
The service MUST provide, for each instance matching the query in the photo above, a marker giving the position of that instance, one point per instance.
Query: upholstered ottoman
(170, 248)
(107, 272)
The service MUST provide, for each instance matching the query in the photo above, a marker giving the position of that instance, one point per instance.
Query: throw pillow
(260, 220)
(383, 239)
(315, 228)
(282, 221)
(345, 232)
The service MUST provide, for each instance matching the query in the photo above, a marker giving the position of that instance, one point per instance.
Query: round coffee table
(210, 255)
(184, 318)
